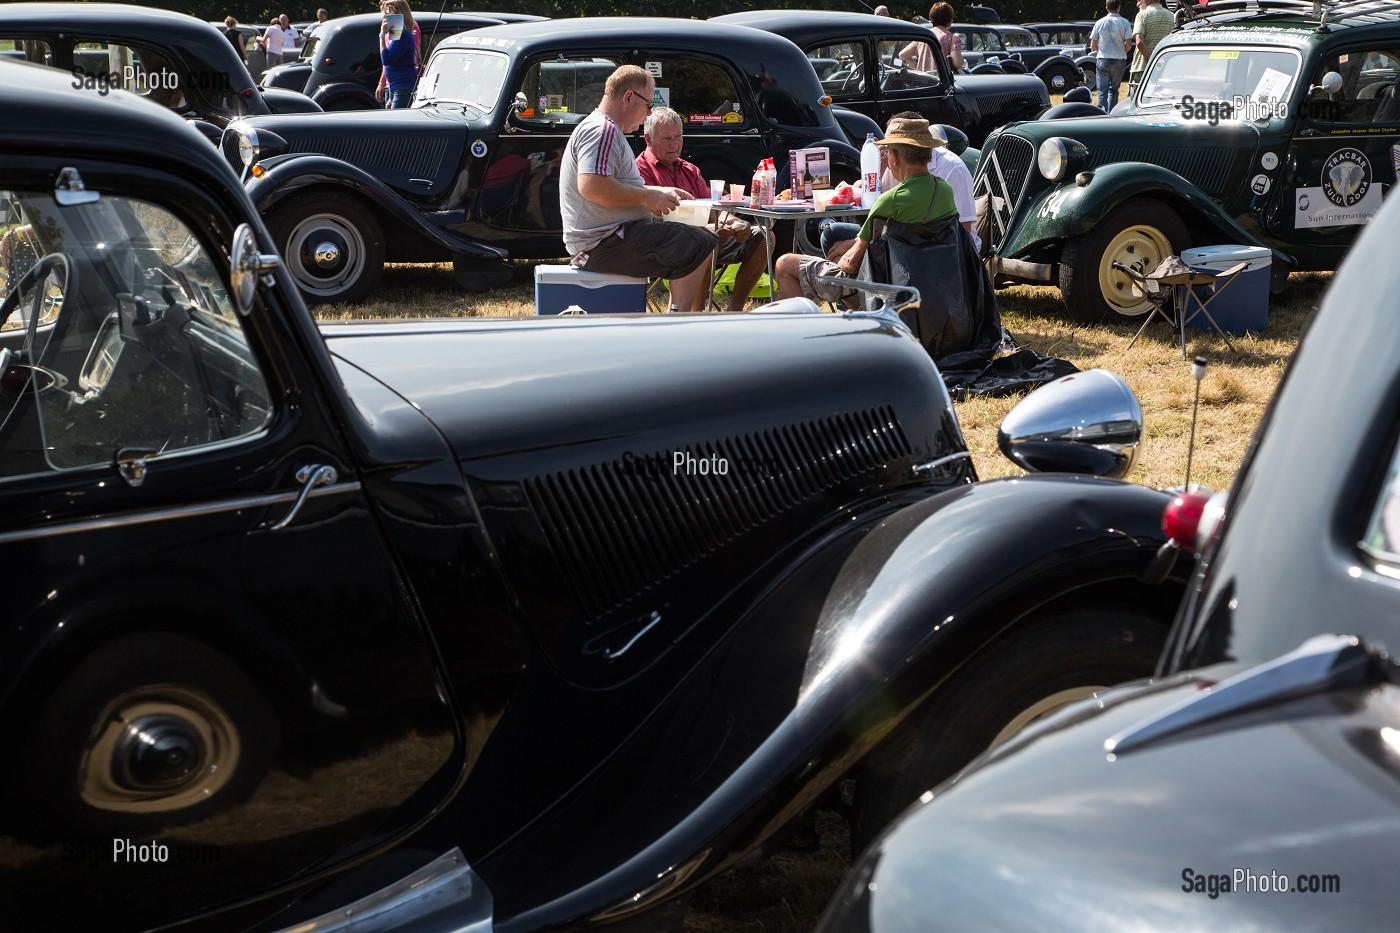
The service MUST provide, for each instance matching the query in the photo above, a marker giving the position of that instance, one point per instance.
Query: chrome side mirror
(246, 265)
(1088, 422)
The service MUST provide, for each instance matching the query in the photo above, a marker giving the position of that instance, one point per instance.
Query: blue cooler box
(1243, 305)
(557, 287)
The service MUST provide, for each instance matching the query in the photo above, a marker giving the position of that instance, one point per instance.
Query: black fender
(280, 100)
(328, 94)
(987, 68)
(888, 606)
(1071, 109)
(289, 174)
(210, 131)
(856, 125)
(1054, 61)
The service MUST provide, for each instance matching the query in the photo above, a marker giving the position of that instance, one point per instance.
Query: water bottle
(870, 170)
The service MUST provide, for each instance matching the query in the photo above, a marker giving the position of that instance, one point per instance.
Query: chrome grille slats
(620, 527)
(1003, 175)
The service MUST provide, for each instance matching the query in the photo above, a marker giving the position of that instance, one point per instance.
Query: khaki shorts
(811, 266)
(732, 249)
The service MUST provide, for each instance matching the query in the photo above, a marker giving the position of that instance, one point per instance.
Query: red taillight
(328, 61)
(247, 93)
(1182, 517)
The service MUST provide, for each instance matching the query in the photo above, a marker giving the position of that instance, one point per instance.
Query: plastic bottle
(769, 182)
(870, 171)
(756, 186)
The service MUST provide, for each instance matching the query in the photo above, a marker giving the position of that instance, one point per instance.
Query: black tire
(1051, 661)
(1059, 79)
(81, 776)
(479, 274)
(332, 246)
(1139, 233)
(346, 103)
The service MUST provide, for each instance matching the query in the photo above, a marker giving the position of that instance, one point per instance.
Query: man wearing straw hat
(916, 198)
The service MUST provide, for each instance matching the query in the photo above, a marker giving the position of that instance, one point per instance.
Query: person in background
(399, 57)
(660, 164)
(277, 38)
(387, 7)
(1153, 23)
(918, 56)
(610, 214)
(882, 10)
(1112, 39)
(235, 37)
(943, 163)
(916, 198)
(314, 28)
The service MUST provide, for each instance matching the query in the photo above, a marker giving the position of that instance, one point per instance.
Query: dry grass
(787, 893)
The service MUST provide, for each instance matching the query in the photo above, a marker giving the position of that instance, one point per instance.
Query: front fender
(289, 174)
(1056, 61)
(280, 100)
(936, 581)
(1072, 211)
(341, 92)
(855, 125)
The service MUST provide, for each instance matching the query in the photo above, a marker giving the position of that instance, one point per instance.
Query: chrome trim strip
(445, 896)
(160, 515)
(933, 465)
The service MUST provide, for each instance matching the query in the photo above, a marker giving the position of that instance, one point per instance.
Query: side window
(148, 73)
(563, 90)
(841, 68)
(907, 66)
(26, 50)
(702, 92)
(1382, 540)
(125, 339)
(1370, 90)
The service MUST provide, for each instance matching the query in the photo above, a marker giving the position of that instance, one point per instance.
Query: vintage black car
(525, 624)
(1275, 129)
(1254, 784)
(856, 56)
(339, 67)
(471, 173)
(984, 44)
(174, 59)
(1067, 35)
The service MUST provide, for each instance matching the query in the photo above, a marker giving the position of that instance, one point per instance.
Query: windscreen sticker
(1272, 85)
(733, 116)
(1269, 161)
(662, 97)
(1225, 53)
(706, 119)
(654, 69)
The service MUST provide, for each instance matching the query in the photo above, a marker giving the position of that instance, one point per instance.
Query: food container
(822, 197)
(693, 211)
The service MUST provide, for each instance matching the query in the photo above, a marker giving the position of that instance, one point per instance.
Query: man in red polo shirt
(739, 241)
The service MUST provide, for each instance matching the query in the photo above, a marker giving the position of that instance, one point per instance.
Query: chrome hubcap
(326, 255)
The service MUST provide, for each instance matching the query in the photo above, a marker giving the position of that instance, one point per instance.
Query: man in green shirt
(1151, 26)
(916, 198)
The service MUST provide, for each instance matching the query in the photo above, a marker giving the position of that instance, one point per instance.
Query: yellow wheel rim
(1141, 248)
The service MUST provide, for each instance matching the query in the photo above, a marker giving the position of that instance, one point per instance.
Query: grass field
(786, 893)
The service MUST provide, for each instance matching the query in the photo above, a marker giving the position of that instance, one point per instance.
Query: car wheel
(480, 274)
(332, 245)
(1059, 79)
(347, 103)
(1046, 664)
(1138, 233)
(147, 731)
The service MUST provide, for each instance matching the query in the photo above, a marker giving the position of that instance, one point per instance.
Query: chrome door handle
(310, 476)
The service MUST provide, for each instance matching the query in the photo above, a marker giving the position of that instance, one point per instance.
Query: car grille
(620, 527)
(1001, 175)
(1206, 167)
(407, 155)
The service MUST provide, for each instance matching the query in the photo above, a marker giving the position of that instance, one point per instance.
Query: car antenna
(1198, 372)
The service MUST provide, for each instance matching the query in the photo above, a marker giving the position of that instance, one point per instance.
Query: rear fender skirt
(328, 92)
(291, 174)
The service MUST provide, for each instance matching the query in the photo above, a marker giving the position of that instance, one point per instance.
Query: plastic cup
(716, 188)
(736, 192)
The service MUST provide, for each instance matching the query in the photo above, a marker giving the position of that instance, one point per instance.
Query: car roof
(632, 32)
(44, 113)
(814, 24)
(116, 21)
(427, 21)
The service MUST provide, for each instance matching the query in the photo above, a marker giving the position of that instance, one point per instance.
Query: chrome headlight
(1059, 157)
(247, 146)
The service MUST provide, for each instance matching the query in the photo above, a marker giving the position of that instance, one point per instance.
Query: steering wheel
(35, 276)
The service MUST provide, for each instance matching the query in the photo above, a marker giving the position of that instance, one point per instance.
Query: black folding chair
(1176, 285)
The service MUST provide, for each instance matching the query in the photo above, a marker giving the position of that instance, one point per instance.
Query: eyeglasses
(650, 103)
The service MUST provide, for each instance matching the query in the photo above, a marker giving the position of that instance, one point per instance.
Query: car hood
(1054, 833)
(508, 386)
(1131, 137)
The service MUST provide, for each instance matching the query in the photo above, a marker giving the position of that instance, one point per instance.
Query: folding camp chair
(1175, 283)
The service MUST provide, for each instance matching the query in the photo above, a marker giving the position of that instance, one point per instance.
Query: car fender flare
(327, 92)
(1072, 211)
(289, 175)
(855, 125)
(281, 100)
(936, 581)
(1056, 61)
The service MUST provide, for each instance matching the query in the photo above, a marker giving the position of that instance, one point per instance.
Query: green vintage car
(1277, 128)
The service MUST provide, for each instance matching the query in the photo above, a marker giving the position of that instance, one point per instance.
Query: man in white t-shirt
(611, 216)
(278, 38)
(944, 164)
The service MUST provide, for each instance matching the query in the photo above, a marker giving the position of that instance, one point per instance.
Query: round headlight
(1053, 159)
(247, 147)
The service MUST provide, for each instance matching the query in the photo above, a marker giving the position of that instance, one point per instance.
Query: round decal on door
(1269, 161)
(1261, 184)
(1346, 177)
(479, 148)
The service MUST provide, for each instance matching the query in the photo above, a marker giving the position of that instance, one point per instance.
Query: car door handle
(310, 477)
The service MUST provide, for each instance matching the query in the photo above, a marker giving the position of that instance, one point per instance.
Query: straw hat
(908, 131)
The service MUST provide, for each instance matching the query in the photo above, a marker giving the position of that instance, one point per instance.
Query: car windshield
(1250, 73)
(468, 76)
(308, 50)
(118, 332)
(1018, 38)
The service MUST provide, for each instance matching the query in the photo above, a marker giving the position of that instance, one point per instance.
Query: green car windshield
(1219, 74)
